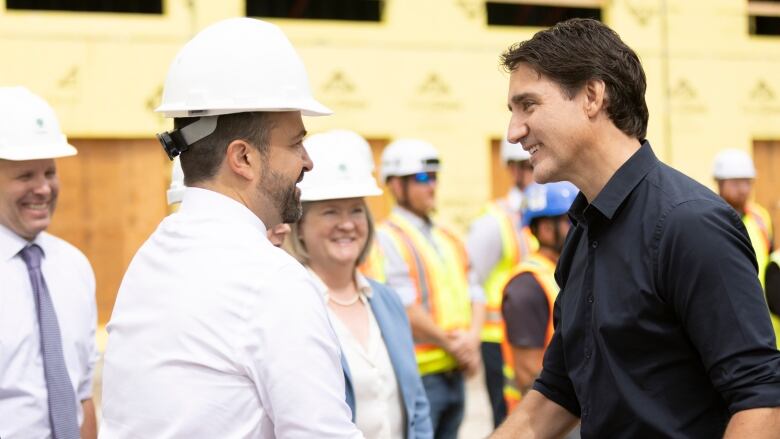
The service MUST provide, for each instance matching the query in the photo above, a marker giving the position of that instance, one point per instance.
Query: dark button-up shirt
(661, 325)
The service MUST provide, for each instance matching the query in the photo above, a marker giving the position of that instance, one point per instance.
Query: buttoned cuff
(553, 391)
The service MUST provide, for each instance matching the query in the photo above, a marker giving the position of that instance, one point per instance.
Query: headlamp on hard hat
(179, 140)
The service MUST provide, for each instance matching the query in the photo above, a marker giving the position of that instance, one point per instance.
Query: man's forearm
(754, 423)
(424, 328)
(477, 317)
(89, 426)
(536, 417)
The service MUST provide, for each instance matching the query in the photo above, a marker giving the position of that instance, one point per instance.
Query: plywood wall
(112, 197)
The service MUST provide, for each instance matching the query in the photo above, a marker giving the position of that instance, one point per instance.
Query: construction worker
(496, 243)
(734, 173)
(661, 328)
(427, 265)
(216, 332)
(276, 234)
(530, 289)
(332, 237)
(48, 315)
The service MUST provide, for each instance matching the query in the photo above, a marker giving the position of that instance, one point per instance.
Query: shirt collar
(11, 243)
(363, 287)
(618, 188)
(205, 202)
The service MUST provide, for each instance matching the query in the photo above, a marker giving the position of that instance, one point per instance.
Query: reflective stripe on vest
(439, 275)
(759, 227)
(514, 247)
(543, 271)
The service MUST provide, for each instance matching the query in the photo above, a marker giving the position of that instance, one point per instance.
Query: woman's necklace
(349, 302)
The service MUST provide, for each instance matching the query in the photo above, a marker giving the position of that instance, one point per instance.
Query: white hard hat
(234, 66)
(342, 167)
(513, 152)
(29, 129)
(176, 190)
(407, 157)
(733, 163)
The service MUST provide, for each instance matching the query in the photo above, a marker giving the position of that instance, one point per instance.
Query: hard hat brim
(338, 193)
(308, 107)
(37, 152)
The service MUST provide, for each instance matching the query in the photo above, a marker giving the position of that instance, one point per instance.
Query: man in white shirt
(47, 297)
(216, 332)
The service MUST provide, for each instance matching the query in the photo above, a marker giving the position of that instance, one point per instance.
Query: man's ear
(595, 96)
(243, 159)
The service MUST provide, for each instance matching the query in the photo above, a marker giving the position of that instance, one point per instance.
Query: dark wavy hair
(575, 51)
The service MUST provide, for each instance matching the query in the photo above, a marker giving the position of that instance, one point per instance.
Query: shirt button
(590, 299)
(594, 244)
(584, 413)
(587, 354)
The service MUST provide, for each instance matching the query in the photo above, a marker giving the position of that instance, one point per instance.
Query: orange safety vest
(439, 276)
(515, 245)
(543, 271)
(759, 227)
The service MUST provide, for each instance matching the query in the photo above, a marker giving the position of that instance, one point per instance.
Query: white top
(378, 404)
(216, 333)
(397, 272)
(24, 410)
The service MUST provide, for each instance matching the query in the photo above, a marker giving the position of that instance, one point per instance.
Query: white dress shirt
(24, 410)
(378, 404)
(397, 273)
(216, 333)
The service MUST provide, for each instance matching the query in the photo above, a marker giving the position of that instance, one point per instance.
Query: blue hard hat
(547, 200)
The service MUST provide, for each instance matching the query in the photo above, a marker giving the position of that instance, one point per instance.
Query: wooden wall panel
(500, 180)
(380, 206)
(766, 155)
(112, 198)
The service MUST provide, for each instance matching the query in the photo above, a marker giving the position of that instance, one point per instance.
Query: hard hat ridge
(29, 129)
(343, 166)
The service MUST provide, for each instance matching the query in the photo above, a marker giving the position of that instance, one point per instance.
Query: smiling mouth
(532, 150)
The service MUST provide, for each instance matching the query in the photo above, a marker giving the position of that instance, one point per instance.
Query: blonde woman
(332, 237)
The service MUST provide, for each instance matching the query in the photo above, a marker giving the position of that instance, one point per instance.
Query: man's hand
(464, 346)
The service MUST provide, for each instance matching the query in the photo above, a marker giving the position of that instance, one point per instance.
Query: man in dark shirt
(661, 329)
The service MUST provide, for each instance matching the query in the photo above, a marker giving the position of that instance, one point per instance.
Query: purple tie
(63, 412)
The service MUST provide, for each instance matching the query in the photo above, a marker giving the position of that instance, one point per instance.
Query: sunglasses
(424, 177)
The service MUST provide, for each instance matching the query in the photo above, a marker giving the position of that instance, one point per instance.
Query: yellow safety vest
(439, 275)
(514, 247)
(775, 257)
(759, 227)
(543, 271)
(374, 265)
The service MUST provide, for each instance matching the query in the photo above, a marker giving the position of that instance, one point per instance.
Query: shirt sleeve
(553, 382)
(526, 312)
(84, 389)
(296, 357)
(397, 274)
(706, 270)
(476, 292)
(484, 247)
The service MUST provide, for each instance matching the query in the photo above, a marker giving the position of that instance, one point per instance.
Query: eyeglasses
(424, 177)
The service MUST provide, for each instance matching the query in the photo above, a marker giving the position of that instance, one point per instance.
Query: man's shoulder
(54, 246)
(675, 189)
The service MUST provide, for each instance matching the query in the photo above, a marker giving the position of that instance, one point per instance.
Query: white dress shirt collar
(11, 243)
(211, 204)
